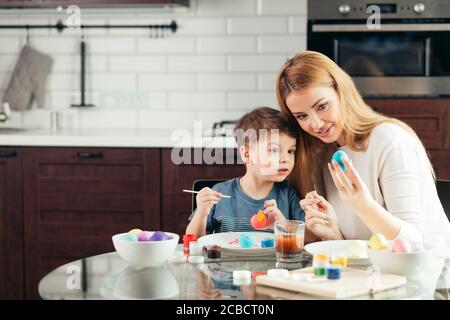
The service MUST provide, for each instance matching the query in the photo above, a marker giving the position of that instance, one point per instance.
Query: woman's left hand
(352, 190)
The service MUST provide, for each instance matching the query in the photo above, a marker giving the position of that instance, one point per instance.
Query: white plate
(337, 247)
(223, 239)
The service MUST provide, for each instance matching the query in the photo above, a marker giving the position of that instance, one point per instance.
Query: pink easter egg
(401, 246)
(144, 236)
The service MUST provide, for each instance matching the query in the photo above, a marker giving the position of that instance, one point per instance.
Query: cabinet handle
(8, 154)
(90, 155)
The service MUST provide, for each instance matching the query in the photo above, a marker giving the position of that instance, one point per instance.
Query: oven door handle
(384, 27)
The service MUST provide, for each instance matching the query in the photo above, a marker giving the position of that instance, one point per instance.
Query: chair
(199, 185)
(443, 190)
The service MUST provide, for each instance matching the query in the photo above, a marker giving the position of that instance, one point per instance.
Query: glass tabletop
(108, 276)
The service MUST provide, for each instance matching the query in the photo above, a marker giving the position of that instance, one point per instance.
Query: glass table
(108, 276)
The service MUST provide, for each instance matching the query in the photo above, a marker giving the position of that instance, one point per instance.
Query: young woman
(389, 185)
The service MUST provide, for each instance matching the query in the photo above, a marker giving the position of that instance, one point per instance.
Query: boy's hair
(263, 118)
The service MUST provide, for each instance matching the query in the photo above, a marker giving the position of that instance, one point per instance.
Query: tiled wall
(221, 62)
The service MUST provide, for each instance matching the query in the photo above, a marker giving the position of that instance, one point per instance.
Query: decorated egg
(129, 237)
(337, 156)
(135, 231)
(378, 242)
(144, 236)
(159, 236)
(357, 248)
(259, 220)
(401, 246)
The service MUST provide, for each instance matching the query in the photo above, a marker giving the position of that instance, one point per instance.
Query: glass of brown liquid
(289, 240)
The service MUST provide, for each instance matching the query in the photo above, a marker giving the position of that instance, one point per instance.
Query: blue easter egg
(129, 237)
(337, 156)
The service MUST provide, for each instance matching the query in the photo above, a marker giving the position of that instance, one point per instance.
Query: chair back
(443, 189)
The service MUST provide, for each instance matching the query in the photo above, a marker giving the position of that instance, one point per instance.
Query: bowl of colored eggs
(398, 256)
(145, 248)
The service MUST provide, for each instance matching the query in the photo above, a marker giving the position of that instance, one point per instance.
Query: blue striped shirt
(233, 214)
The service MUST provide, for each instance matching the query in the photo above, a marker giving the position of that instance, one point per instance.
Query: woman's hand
(206, 198)
(274, 214)
(352, 190)
(320, 217)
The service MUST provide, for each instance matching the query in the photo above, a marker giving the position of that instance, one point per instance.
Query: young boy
(266, 140)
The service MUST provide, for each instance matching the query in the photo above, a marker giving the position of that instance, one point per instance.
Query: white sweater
(397, 174)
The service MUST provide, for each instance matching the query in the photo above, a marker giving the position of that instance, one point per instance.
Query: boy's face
(271, 157)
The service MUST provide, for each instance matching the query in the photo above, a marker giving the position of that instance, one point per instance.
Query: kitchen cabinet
(440, 160)
(176, 205)
(430, 118)
(88, 3)
(77, 198)
(60, 204)
(11, 224)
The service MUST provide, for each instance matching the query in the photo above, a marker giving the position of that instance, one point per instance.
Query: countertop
(147, 138)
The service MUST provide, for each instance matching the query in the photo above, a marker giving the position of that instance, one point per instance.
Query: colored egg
(337, 156)
(418, 247)
(135, 231)
(129, 237)
(159, 236)
(358, 249)
(246, 241)
(144, 235)
(378, 242)
(401, 246)
(259, 220)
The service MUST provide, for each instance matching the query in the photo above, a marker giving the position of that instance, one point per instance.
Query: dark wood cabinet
(441, 163)
(11, 225)
(61, 204)
(430, 118)
(176, 205)
(77, 198)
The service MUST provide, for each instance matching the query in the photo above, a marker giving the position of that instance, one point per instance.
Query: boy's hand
(206, 198)
(273, 213)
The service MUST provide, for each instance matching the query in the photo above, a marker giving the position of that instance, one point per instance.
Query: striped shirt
(233, 214)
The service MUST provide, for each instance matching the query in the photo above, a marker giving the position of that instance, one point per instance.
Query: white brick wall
(222, 62)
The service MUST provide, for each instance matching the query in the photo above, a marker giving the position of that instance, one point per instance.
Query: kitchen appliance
(390, 47)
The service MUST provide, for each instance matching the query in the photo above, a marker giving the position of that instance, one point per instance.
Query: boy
(266, 140)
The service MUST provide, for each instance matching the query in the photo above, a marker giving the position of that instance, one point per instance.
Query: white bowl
(405, 264)
(146, 253)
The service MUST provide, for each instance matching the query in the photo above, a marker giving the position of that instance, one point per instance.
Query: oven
(390, 48)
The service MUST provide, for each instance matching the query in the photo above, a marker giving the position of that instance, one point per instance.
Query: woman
(389, 185)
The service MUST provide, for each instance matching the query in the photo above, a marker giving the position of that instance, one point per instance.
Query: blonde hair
(310, 69)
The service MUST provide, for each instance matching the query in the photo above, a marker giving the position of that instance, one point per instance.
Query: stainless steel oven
(406, 54)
